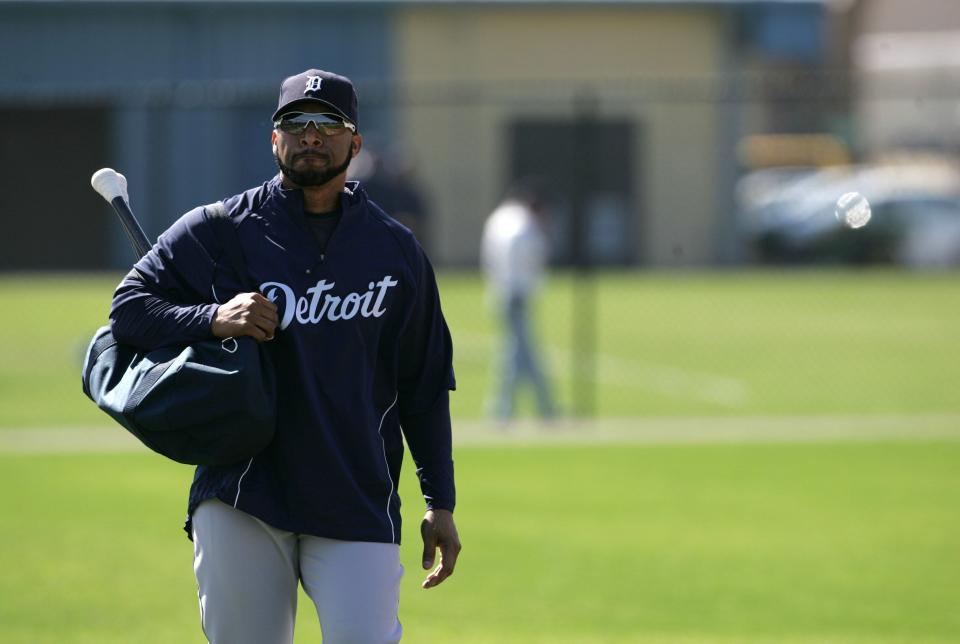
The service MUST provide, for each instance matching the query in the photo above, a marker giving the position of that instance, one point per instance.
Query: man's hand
(439, 531)
(246, 314)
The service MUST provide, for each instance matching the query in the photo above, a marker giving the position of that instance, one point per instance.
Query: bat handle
(138, 238)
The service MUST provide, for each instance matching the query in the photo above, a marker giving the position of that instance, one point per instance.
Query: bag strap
(229, 240)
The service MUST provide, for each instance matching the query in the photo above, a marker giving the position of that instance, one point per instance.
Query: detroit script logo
(319, 304)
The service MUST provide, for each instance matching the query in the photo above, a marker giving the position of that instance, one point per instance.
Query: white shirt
(513, 250)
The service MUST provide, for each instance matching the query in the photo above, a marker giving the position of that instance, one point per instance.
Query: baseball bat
(112, 186)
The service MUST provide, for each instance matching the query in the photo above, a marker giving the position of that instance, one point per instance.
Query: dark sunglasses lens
(292, 127)
(297, 123)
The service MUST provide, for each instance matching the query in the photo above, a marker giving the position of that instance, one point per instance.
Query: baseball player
(349, 309)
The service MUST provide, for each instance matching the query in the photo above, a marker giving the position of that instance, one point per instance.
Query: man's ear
(355, 145)
(273, 140)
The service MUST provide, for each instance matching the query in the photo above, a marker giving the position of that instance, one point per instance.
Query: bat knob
(109, 184)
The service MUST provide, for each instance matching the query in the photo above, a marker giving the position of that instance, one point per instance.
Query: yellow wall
(528, 61)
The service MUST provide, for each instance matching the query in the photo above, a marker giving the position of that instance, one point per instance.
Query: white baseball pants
(248, 572)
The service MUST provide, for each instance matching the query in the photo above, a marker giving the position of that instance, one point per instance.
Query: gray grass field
(775, 460)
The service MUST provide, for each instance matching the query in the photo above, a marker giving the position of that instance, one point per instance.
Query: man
(349, 309)
(392, 182)
(514, 253)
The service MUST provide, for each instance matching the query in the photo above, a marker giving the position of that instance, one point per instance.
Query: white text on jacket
(318, 303)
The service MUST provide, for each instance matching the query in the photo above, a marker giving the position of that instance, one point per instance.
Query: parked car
(787, 215)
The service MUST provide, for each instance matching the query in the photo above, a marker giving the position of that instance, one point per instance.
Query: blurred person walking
(349, 310)
(514, 255)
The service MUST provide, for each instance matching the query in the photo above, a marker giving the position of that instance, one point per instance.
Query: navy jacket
(362, 353)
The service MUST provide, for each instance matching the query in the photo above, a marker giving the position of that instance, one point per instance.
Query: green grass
(846, 542)
(48, 322)
(751, 543)
(668, 344)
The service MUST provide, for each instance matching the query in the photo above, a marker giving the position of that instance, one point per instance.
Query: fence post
(584, 305)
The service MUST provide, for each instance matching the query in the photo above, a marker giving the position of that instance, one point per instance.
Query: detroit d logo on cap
(313, 84)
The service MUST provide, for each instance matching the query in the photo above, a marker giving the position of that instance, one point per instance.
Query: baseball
(853, 210)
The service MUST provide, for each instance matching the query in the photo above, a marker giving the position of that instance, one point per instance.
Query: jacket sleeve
(425, 380)
(168, 298)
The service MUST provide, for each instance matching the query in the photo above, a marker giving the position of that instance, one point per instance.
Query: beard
(312, 178)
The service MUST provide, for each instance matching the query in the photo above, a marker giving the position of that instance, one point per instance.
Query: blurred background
(696, 135)
(701, 289)
(709, 130)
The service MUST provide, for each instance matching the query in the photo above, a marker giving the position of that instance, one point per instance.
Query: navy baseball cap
(316, 86)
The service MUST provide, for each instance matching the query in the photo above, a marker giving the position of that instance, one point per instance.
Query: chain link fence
(698, 173)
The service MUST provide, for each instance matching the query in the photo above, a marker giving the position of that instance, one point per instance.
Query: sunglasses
(327, 125)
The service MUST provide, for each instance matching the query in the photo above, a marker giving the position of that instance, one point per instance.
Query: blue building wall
(189, 87)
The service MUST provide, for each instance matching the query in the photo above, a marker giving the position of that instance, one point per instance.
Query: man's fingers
(439, 530)
(249, 314)
(262, 299)
(266, 323)
(266, 329)
(252, 331)
(440, 573)
(429, 543)
(265, 307)
(433, 579)
(448, 561)
(260, 329)
(260, 313)
(256, 327)
(448, 556)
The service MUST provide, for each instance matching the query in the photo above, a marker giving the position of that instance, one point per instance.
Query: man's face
(313, 158)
